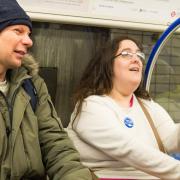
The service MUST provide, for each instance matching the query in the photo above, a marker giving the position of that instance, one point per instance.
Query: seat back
(49, 74)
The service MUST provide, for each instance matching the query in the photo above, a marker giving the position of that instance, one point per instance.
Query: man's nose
(27, 41)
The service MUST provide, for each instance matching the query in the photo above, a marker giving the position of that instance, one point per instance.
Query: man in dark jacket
(32, 143)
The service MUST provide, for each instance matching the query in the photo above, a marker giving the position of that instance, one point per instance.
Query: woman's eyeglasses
(129, 55)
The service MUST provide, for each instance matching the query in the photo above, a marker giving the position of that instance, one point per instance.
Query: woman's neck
(124, 100)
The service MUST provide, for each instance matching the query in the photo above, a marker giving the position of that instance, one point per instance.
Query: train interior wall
(63, 51)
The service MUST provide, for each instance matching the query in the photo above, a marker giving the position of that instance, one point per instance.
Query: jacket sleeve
(60, 158)
(97, 124)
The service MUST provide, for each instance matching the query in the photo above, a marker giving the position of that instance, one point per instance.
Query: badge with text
(128, 122)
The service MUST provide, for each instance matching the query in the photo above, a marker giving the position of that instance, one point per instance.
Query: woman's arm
(168, 130)
(98, 126)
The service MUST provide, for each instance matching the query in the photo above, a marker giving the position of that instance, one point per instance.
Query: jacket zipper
(8, 121)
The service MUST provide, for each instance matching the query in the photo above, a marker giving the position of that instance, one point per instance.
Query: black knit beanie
(12, 14)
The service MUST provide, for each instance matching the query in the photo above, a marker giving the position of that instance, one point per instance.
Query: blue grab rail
(156, 50)
(176, 156)
(153, 58)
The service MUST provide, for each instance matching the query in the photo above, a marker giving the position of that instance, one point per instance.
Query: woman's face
(127, 67)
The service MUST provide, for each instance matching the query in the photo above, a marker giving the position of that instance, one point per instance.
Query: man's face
(14, 43)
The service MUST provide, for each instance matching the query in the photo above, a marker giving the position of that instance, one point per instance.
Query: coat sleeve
(97, 124)
(60, 158)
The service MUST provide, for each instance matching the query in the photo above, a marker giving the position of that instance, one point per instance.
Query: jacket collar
(29, 68)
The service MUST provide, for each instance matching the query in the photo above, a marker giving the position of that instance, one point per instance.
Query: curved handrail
(156, 50)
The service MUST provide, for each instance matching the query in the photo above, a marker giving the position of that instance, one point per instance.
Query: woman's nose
(136, 57)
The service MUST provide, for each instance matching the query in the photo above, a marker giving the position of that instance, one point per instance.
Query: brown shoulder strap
(158, 139)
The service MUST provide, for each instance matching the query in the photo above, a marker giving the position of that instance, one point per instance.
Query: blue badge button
(128, 122)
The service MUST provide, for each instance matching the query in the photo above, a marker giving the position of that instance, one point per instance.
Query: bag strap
(158, 139)
(29, 87)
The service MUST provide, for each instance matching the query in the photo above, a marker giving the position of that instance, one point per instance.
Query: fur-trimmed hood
(28, 68)
(30, 63)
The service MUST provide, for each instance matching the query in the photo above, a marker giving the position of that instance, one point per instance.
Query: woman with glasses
(108, 126)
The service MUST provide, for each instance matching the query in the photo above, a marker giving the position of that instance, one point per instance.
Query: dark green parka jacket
(33, 144)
